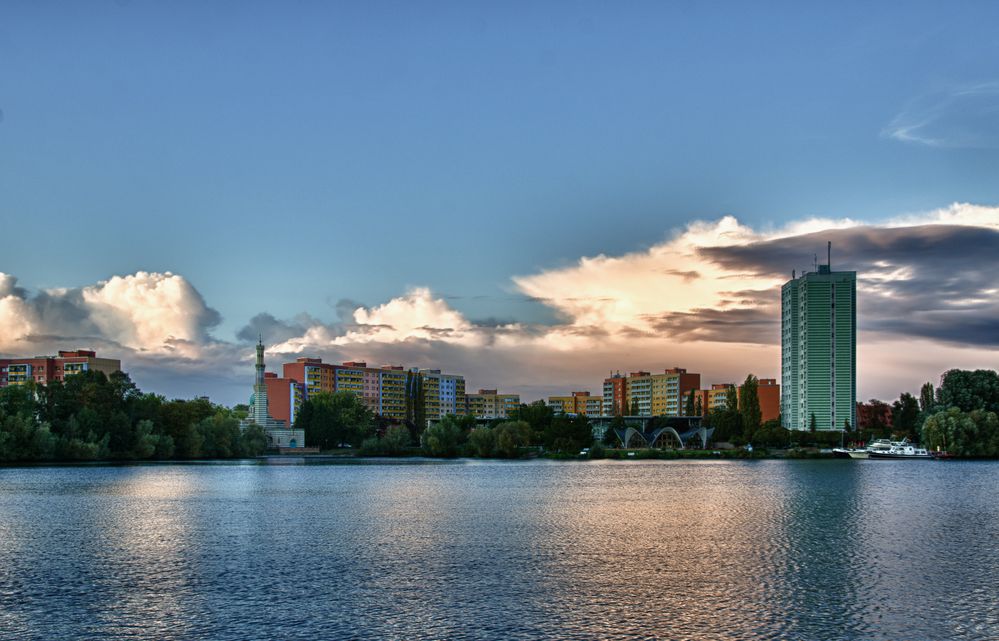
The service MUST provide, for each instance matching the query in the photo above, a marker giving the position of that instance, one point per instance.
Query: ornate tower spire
(259, 412)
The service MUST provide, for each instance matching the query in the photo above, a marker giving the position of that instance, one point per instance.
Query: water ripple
(491, 550)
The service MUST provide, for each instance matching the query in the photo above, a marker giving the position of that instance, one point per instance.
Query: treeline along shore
(90, 416)
(94, 417)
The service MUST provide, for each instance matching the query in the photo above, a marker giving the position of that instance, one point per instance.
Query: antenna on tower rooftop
(829, 255)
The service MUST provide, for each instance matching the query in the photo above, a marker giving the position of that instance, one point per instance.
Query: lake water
(491, 550)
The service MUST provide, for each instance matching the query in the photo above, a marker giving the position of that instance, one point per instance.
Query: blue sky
(285, 156)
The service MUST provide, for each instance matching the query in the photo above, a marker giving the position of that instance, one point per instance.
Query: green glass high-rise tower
(819, 350)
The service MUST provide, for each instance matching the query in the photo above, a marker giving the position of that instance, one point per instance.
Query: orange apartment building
(43, 369)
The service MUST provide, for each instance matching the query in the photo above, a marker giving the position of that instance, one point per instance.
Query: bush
(443, 438)
(510, 437)
(482, 442)
(597, 450)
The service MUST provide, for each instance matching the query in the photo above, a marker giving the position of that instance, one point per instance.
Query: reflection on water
(489, 550)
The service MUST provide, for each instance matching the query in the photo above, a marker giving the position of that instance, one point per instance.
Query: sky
(531, 194)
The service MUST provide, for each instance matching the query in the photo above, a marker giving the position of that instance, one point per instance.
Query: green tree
(24, 439)
(812, 424)
(165, 447)
(771, 434)
(731, 399)
(443, 438)
(145, 441)
(927, 397)
(749, 406)
(334, 420)
(568, 433)
(511, 436)
(252, 441)
(18, 400)
(90, 416)
(538, 415)
(968, 391)
(689, 410)
(179, 420)
(963, 434)
(219, 436)
(482, 442)
(634, 407)
(396, 440)
(905, 415)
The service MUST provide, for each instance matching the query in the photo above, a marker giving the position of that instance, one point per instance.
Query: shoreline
(417, 459)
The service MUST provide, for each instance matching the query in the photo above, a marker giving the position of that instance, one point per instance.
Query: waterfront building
(441, 394)
(394, 396)
(638, 395)
(819, 349)
(668, 389)
(279, 432)
(615, 395)
(43, 369)
(707, 400)
(488, 403)
(717, 397)
(768, 391)
(284, 397)
(594, 405)
(642, 393)
(562, 404)
(387, 391)
(577, 403)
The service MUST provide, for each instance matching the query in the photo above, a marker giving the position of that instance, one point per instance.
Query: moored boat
(850, 452)
(903, 450)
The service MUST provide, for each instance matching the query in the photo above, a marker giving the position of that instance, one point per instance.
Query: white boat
(880, 445)
(884, 448)
(902, 450)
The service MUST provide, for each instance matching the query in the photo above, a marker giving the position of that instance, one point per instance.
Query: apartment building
(43, 369)
(488, 403)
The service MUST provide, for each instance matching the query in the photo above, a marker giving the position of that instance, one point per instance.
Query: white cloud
(959, 117)
(16, 317)
(146, 312)
(150, 311)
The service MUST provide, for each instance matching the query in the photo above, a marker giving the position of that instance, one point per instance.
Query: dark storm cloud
(978, 327)
(750, 298)
(752, 325)
(929, 247)
(345, 309)
(930, 281)
(685, 275)
(274, 330)
(492, 322)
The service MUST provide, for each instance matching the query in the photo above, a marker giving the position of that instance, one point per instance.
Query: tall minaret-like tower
(259, 414)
